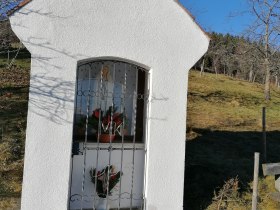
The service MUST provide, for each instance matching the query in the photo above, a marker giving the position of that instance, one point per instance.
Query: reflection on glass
(107, 101)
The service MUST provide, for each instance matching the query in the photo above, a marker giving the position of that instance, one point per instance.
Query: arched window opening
(108, 90)
(109, 135)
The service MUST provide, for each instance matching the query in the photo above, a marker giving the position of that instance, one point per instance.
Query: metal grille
(109, 136)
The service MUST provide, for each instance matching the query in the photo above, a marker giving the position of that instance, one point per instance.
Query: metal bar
(110, 133)
(264, 133)
(103, 100)
(113, 149)
(111, 60)
(99, 132)
(134, 138)
(71, 179)
(76, 100)
(85, 143)
(147, 114)
(81, 97)
(76, 105)
(122, 149)
(14, 58)
(11, 51)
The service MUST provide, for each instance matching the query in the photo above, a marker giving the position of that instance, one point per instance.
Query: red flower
(118, 121)
(109, 118)
(106, 120)
(96, 113)
(113, 177)
(118, 118)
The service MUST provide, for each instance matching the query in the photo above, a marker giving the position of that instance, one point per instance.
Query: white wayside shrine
(107, 104)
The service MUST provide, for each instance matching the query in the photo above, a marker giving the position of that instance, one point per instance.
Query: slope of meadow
(224, 131)
(224, 103)
(14, 83)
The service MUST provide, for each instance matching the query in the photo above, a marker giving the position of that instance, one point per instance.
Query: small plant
(228, 193)
(106, 180)
(109, 121)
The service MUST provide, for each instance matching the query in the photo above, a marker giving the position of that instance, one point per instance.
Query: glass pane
(115, 95)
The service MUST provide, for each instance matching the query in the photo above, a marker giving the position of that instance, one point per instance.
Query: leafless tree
(265, 31)
(216, 51)
(8, 40)
(249, 60)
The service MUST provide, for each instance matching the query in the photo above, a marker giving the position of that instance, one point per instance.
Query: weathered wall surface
(155, 33)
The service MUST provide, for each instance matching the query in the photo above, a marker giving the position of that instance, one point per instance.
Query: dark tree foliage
(238, 57)
(7, 37)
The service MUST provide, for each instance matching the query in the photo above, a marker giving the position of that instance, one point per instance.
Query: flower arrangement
(105, 124)
(110, 120)
(106, 179)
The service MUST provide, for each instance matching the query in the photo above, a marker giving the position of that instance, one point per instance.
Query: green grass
(14, 87)
(224, 131)
(222, 103)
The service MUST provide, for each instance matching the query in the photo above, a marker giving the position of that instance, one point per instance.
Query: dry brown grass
(9, 203)
(224, 126)
(222, 103)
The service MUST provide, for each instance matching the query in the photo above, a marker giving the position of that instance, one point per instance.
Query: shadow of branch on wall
(44, 44)
(50, 98)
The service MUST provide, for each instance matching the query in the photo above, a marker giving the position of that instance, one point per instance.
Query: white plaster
(155, 33)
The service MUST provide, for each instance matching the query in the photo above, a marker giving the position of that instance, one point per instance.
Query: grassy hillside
(14, 83)
(223, 103)
(224, 131)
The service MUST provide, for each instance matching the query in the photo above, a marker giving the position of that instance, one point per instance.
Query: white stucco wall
(156, 33)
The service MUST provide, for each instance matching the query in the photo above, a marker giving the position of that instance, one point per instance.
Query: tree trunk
(251, 74)
(276, 81)
(216, 71)
(266, 61)
(267, 81)
(254, 79)
(202, 67)
(215, 62)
